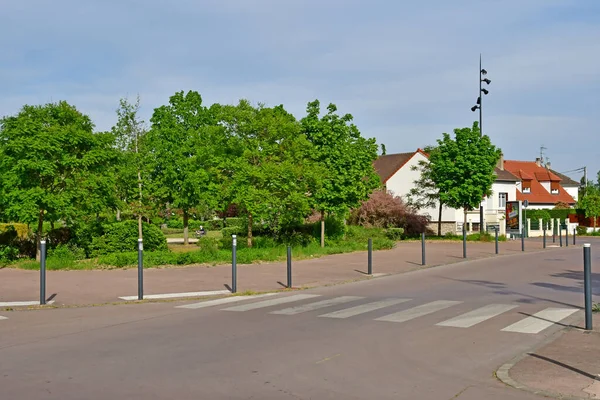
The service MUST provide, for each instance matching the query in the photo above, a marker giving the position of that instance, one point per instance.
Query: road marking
(1, 317)
(177, 295)
(273, 302)
(224, 300)
(22, 303)
(474, 317)
(363, 308)
(328, 358)
(418, 311)
(317, 305)
(540, 321)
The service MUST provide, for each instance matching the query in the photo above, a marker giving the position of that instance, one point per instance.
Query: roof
(565, 180)
(530, 170)
(504, 175)
(386, 166)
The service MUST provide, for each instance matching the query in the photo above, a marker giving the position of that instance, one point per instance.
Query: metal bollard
(140, 269)
(423, 248)
(496, 234)
(464, 243)
(522, 240)
(370, 257)
(42, 272)
(587, 283)
(234, 264)
(544, 238)
(574, 236)
(560, 236)
(567, 236)
(289, 267)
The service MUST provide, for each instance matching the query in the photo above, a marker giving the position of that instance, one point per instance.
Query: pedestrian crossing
(354, 306)
(1, 317)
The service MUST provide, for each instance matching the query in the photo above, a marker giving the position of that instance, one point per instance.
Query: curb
(503, 373)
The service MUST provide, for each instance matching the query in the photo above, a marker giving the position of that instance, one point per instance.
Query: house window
(526, 186)
(554, 187)
(502, 198)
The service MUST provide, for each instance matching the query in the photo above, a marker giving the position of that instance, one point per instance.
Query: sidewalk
(566, 368)
(102, 286)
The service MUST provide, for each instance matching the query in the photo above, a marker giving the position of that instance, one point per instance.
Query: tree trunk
(249, 230)
(322, 228)
(186, 218)
(465, 219)
(440, 220)
(118, 214)
(52, 225)
(40, 232)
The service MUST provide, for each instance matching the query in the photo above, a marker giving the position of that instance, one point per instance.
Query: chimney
(538, 162)
(548, 166)
(500, 163)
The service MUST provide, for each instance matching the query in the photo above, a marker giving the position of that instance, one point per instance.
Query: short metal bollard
(233, 264)
(464, 243)
(496, 238)
(544, 241)
(423, 248)
(560, 236)
(140, 269)
(370, 257)
(587, 283)
(522, 240)
(574, 236)
(42, 272)
(567, 237)
(289, 267)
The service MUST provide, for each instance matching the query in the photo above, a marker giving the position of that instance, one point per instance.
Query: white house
(398, 175)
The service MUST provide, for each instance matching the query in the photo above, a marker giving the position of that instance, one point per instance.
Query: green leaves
(590, 203)
(463, 168)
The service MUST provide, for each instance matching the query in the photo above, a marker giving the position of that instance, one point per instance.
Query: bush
(394, 233)
(234, 230)
(581, 230)
(384, 210)
(123, 237)
(8, 254)
(67, 252)
(21, 230)
(59, 236)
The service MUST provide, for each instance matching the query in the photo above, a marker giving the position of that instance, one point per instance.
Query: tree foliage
(346, 156)
(590, 203)
(463, 167)
(52, 165)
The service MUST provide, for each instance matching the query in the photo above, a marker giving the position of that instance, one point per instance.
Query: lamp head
(485, 91)
(483, 72)
(474, 108)
(486, 80)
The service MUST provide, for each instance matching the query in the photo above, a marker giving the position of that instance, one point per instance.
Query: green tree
(128, 133)
(180, 155)
(590, 203)
(425, 193)
(345, 155)
(463, 168)
(52, 165)
(270, 176)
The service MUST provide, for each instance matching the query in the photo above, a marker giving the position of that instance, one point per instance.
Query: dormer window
(554, 188)
(526, 186)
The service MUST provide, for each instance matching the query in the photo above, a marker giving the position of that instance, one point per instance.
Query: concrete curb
(503, 373)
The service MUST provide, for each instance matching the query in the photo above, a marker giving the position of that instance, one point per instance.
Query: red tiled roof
(529, 170)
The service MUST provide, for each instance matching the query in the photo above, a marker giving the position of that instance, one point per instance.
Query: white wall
(573, 191)
(402, 182)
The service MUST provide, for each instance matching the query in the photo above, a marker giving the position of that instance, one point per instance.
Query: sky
(406, 70)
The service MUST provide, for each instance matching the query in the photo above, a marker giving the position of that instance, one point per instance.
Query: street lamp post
(478, 106)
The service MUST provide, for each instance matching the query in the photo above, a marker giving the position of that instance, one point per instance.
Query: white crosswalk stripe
(317, 305)
(224, 300)
(1, 317)
(363, 308)
(272, 302)
(418, 311)
(477, 316)
(540, 320)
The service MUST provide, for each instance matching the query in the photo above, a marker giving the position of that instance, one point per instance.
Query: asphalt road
(437, 333)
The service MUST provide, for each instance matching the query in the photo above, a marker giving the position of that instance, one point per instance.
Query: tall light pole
(482, 73)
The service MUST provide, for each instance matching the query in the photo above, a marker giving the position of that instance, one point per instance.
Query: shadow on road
(566, 366)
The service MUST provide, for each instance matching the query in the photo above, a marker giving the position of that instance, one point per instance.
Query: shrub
(67, 252)
(234, 230)
(582, 230)
(59, 236)
(22, 230)
(384, 210)
(123, 237)
(394, 233)
(8, 254)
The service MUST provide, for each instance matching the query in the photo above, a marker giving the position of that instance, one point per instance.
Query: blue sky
(407, 71)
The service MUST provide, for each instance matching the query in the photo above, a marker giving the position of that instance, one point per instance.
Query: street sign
(525, 203)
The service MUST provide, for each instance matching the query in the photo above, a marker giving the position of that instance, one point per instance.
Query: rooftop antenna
(542, 148)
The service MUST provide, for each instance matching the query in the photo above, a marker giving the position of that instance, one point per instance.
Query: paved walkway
(102, 286)
(566, 368)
